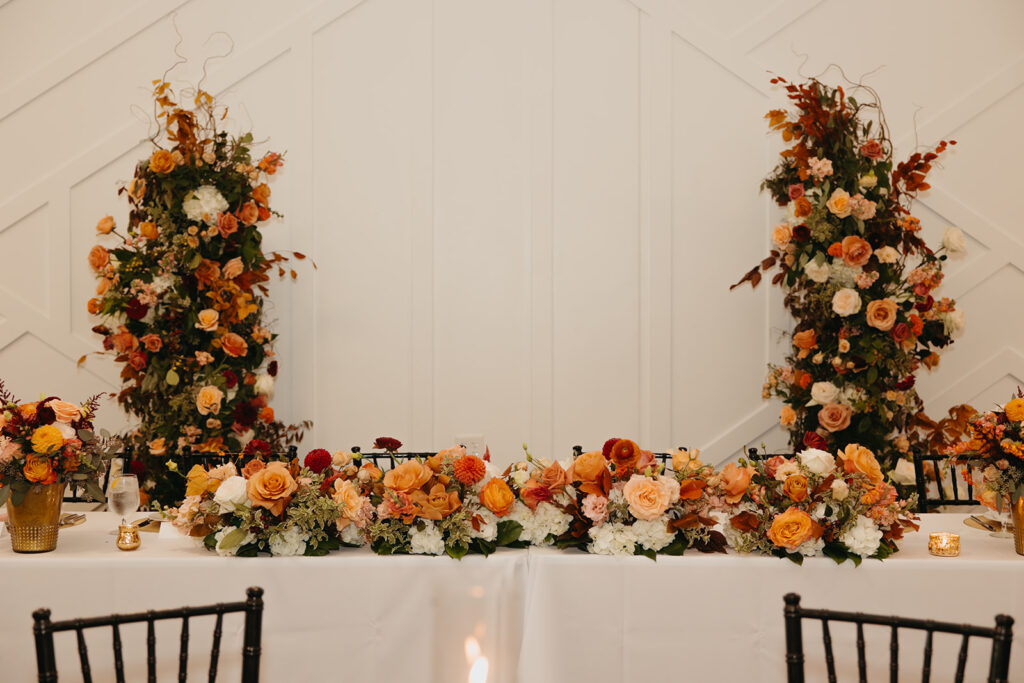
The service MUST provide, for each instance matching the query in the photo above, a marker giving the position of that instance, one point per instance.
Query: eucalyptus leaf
(5, 492)
(232, 539)
(171, 378)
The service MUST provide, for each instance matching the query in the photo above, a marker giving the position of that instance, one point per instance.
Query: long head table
(537, 615)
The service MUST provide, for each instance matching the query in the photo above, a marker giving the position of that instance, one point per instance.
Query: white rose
(840, 489)
(818, 273)
(817, 461)
(887, 255)
(868, 181)
(67, 431)
(846, 302)
(953, 323)
(204, 200)
(823, 392)
(231, 493)
(863, 538)
(341, 459)
(903, 473)
(954, 242)
(264, 385)
(520, 477)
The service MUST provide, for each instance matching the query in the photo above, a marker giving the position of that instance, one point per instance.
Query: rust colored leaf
(744, 521)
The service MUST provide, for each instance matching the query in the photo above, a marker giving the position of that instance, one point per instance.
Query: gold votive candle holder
(944, 544)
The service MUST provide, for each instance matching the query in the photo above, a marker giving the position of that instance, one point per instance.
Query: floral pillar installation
(181, 294)
(858, 278)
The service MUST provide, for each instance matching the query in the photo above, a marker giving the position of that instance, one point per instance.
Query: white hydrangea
(844, 275)
(540, 523)
(205, 199)
(428, 541)
(228, 552)
(612, 539)
(820, 512)
(351, 535)
(488, 526)
(863, 538)
(292, 541)
(616, 497)
(811, 548)
(652, 535)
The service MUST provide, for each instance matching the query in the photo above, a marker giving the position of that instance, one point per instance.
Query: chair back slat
(926, 667)
(253, 635)
(921, 477)
(999, 668)
(42, 631)
(830, 660)
(183, 652)
(150, 648)
(862, 660)
(961, 660)
(215, 652)
(118, 658)
(83, 656)
(894, 655)
(794, 639)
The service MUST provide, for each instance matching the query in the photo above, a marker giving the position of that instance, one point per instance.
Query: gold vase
(33, 523)
(1017, 512)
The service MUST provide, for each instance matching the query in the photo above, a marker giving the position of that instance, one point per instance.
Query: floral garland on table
(859, 279)
(616, 501)
(995, 444)
(181, 293)
(814, 504)
(47, 442)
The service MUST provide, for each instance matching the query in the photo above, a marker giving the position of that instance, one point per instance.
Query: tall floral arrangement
(994, 444)
(181, 291)
(858, 278)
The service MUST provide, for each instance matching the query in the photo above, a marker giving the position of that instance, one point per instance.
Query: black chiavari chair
(1001, 636)
(252, 607)
(924, 503)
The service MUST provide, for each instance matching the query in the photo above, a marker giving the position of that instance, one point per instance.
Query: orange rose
(856, 250)
(437, 504)
(252, 467)
(124, 341)
(408, 476)
(881, 314)
(206, 272)
(99, 258)
(105, 225)
(787, 416)
(793, 528)
(248, 214)
(346, 494)
(554, 477)
(806, 341)
(795, 487)
(234, 345)
(208, 400)
(1015, 410)
(161, 161)
(152, 342)
(648, 499)
(835, 417)
(227, 224)
(857, 459)
(65, 412)
(624, 454)
(157, 447)
(38, 470)
(735, 481)
(149, 230)
(803, 207)
(272, 487)
(497, 497)
(207, 320)
(588, 467)
(261, 193)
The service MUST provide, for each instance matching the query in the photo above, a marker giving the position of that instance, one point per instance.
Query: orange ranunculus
(261, 193)
(161, 161)
(105, 225)
(93, 306)
(806, 341)
(856, 250)
(648, 498)
(64, 411)
(39, 470)
(835, 417)
(554, 477)
(735, 481)
(28, 410)
(437, 504)
(795, 487)
(691, 489)
(787, 416)
(407, 477)
(497, 497)
(208, 400)
(47, 439)
(234, 345)
(272, 487)
(835, 250)
(588, 467)
(803, 207)
(149, 230)
(624, 454)
(207, 320)
(1015, 410)
(857, 459)
(99, 258)
(469, 469)
(792, 528)
(881, 314)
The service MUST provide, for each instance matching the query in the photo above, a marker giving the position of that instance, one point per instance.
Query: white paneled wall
(526, 213)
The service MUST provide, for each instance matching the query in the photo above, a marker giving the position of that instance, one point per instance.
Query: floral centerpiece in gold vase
(43, 446)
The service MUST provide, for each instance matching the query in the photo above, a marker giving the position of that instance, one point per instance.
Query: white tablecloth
(537, 616)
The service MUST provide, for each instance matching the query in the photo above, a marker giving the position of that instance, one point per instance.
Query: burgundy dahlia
(387, 443)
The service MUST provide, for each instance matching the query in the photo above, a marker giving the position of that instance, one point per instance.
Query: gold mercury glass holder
(128, 537)
(33, 524)
(944, 544)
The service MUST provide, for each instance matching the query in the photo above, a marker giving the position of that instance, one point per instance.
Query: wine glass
(123, 495)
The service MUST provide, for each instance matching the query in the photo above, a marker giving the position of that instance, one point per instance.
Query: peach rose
(835, 417)
(588, 467)
(38, 470)
(781, 235)
(735, 481)
(65, 412)
(553, 477)
(208, 319)
(105, 225)
(103, 286)
(839, 203)
(149, 230)
(252, 467)
(272, 487)
(856, 250)
(408, 476)
(157, 447)
(795, 487)
(497, 497)
(161, 161)
(787, 416)
(846, 302)
(881, 314)
(261, 193)
(806, 341)
(647, 498)
(793, 528)
(248, 214)
(234, 345)
(208, 400)
(437, 504)
(346, 494)
(227, 224)
(857, 459)
(1015, 410)
(232, 268)
(99, 258)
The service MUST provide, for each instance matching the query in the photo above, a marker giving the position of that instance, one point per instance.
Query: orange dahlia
(469, 469)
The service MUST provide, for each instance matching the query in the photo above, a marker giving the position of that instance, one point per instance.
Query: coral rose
(647, 498)
(857, 459)
(207, 320)
(272, 488)
(208, 400)
(470, 469)
(735, 481)
(881, 314)
(65, 412)
(846, 302)
(795, 487)
(835, 417)
(1015, 410)
(839, 203)
(105, 225)
(149, 230)
(38, 470)
(588, 467)
(408, 476)
(152, 342)
(252, 467)
(624, 454)
(497, 497)
(856, 250)
(234, 345)
(161, 161)
(806, 341)
(793, 528)
(554, 477)
(872, 149)
(47, 439)
(99, 258)
(124, 341)
(248, 214)
(787, 416)
(227, 224)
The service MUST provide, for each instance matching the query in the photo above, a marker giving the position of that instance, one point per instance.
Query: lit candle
(944, 544)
